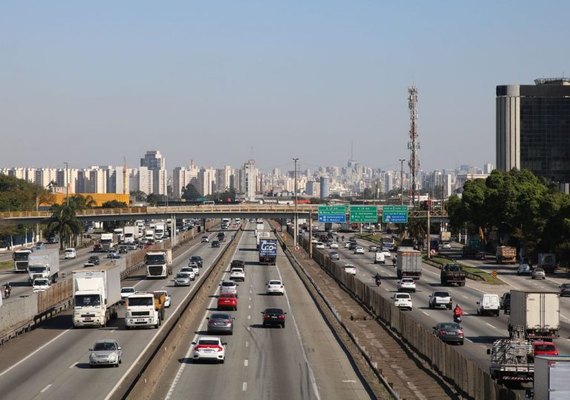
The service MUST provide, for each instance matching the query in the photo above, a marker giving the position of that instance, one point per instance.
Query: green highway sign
(334, 214)
(395, 214)
(364, 214)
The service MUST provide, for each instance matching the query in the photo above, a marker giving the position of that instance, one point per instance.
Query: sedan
(94, 260)
(182, 279)
(319, 245)
(237, 274)
(333, 255)
(216, 244)
(275, 287)
(372, 248)
(228, 287)
(406, 284)
(538, 273)
(334, 245)
(403, 301)
(227, 301)
(105, 352)
(198, 260)
(524, 269)
(209, 348)
(449, 332)
(190, 271)
(113, 255)
(350, 269)
(220, 323)
(565, 290)
(358, 250)
(205, 239)
(273, 316)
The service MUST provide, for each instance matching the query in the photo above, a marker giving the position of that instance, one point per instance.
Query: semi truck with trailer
(96, 295)
(158, 263)
(409, 263)
(535, 314)
(107, 241)
(43, 264)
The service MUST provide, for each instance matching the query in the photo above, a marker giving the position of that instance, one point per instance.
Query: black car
(215, 243)
(198, 260)
(221, 236)
(237, 264)
(506, 302)
(274, 316)
(94, 260)
(565, 290)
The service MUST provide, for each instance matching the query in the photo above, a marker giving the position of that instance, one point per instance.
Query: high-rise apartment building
(533, 128)
(249, 174)
(156, 163)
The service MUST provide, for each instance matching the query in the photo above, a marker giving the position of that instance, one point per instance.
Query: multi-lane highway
(301, 361)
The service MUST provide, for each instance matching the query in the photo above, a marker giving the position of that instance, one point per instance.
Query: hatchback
(538, 273)
(228, 287)
(406, 284)
(220, 323)
(403, 301)
(273, 316)
(449, 332)
(105, 352)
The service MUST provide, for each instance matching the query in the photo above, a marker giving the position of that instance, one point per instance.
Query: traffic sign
(395, 214)
(364, 214)
(332, 214)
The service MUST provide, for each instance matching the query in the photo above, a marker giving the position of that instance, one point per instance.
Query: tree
(64, 223)
(155, 199)
(138, 195)
(190, 193)
(79, 202)
(114, 204)
(109, 226)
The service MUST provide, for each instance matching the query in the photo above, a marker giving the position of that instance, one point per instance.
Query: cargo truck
(547, 261)
(268, 251)
(506, 255)
(511, 360)
(159, 230)
(409, 264)
(96, 295)
(20, 258)
(535, 314)
(259, 235)
(131, 234)
(452, 273)
(145, 309)
(107, 241)
(445, 236)
(551, 377)
(149, 235)
(158, 264)
(43, 264)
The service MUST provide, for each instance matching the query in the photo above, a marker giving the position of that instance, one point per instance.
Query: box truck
(551, 377)
(409, 263)
(536, 315)
(268, 251)
(96, 295)
(43, 264)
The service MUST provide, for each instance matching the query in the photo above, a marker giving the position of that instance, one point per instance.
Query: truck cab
(143, 310)
(158, 264)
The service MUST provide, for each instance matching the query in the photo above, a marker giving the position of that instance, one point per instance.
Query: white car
(350, 269)
(70, 253)
(237, 274)
(446, 245)
(205, 239)
(228, 287)
(275, 286)
(190, 271)
(319, 245)
(346, 245)
(183, 279)
(195, 267)
(126, 292)
(358, 250)
(209, 348)
(403, 301)
(407, 284)
(334, 245)
(40, 284)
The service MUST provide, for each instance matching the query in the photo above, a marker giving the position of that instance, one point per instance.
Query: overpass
(241, 210)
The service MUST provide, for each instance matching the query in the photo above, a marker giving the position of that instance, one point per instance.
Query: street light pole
(295, 227)
(401, 180)
(67, 183)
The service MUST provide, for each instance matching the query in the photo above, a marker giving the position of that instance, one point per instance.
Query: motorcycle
(378, 281)
(457, 319)
(7, 292)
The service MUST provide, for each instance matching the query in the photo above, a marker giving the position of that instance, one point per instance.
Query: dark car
(94, 260)
(274, 316)
(220, 323)
(565, 290)
(97, 248)
(449, 332)
(215, 243)
(198, 260)
(506, 302)
(237, 264)
(221, 236)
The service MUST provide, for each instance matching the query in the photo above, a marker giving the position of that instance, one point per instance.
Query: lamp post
(295, 197)
(401, 180)
(66, 183)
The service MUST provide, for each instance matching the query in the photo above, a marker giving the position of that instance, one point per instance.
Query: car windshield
(228, 284)
(453, 268)
(275, 282)
(21, 256)
(182, 275)
(41, 282)
(441, 294)
(154, 259)
(104, 346)
(208, 342)
(140, 301)
(87, 300)
(544, 347)
(127, 290)
(227, 295)
(449, 326)
(402, 296)
(274, 311)
(220, 316)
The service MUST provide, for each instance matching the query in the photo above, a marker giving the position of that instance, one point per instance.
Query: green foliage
(114, 204)
(64, 223)
(138, 195)
(190, 193)
(18, 194)
(155, 199)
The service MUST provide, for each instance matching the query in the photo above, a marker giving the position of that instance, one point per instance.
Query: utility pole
(67, 183)
(413, 144)
(401, 180)
(296, 226)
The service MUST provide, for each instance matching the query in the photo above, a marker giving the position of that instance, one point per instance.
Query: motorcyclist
(457, 311)
(7, 290)
(377, 279)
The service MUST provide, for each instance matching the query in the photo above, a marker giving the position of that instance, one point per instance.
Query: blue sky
(220, 82)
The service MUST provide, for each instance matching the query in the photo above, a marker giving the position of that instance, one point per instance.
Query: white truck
(119, 234)
(107, 241)
(551, 377)
(535, 313)
(409, 263)
(43, 264)
(159, 230)
(149, 235)
(131, 234)
(96, 295)
(158, 264)
(145, 309)
(20, 258)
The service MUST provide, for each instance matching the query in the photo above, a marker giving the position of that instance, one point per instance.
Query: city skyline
(227, 82)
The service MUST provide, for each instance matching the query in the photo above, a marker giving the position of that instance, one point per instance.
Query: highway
(480, 331)
(301, 361)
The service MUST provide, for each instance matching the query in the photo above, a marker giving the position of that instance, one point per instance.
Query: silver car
(182, 279)
(538, 273)
(105, 352)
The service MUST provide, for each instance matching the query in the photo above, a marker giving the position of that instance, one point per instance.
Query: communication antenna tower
(413, 145)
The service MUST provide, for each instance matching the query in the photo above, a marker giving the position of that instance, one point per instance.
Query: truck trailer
(43, 264)
(268, 251)
(96, 295)
(536, 314)
(506, 255)
(551, 377)
(409, 264)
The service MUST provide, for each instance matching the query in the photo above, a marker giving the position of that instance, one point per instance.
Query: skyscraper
(533, 128)
(156, 163)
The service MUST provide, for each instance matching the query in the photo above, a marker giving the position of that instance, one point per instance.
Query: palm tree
(64, 222)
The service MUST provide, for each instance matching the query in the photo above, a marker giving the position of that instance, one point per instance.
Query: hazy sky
(220, 82)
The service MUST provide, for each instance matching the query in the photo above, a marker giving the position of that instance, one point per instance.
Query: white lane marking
(425, 312)
(46, 388)
(348, 381)
(564, 317)
(311, 373)
(249, 317)
(249, 306)
(491, 325)
(469, 340)
(250, 299)
(72, 365)
(246, 343)
(244, 387)
(34, 352)
(245, 363)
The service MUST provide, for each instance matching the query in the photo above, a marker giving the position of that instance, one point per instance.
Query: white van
(488, 305)
(70, 253)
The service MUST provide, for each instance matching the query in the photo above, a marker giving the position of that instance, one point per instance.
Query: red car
(97, 248)
(227, 300)
(541, 348)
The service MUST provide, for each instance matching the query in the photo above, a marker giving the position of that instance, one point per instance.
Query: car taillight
(460, 332)
(266, 316)
(442, 332)
(282, 316)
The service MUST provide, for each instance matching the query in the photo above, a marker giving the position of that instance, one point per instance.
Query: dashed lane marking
(244, 387)
(245, 363)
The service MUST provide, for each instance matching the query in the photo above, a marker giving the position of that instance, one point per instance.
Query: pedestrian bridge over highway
(241, 210)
